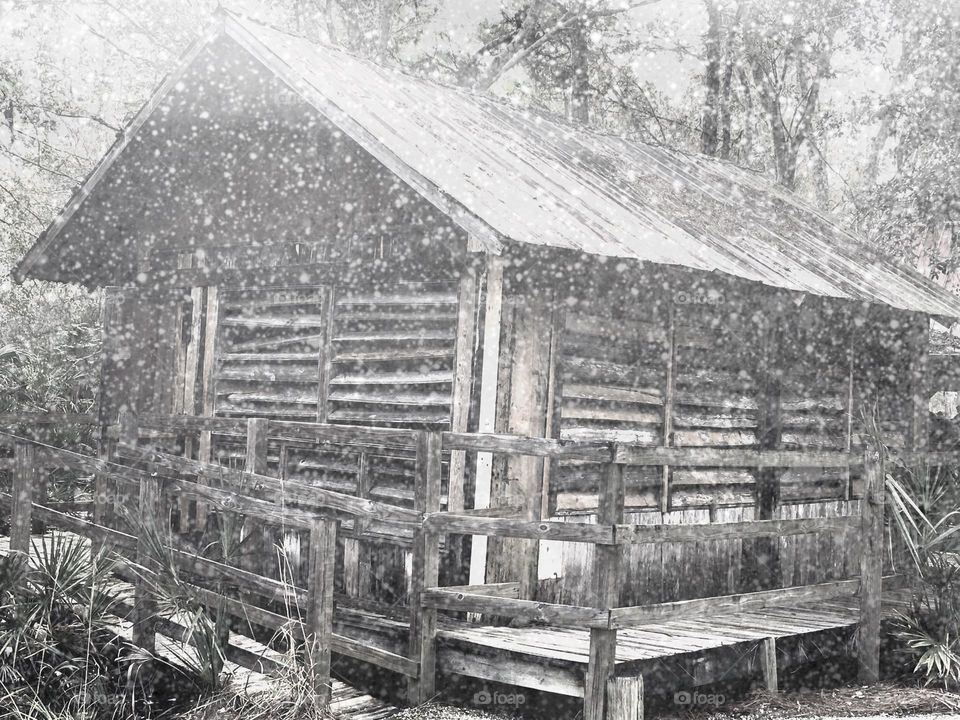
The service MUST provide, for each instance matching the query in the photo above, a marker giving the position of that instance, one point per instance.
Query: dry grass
(884, 699)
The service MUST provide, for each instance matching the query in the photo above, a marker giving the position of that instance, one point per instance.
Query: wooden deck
(556, 659)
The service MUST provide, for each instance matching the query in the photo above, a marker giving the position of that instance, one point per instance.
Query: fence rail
(156, 477)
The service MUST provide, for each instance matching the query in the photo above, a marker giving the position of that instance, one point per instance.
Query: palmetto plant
(925, 503)
(59, 656)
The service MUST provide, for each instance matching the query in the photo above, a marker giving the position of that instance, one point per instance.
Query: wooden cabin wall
(289, 275)
(673, 359)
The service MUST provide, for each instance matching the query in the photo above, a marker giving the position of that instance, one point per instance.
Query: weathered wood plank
(605, 592)
(549, 613)
(323, 552)
(871, 567)
(629, 616)
(426, 569)
(518, 528)
(21, 507)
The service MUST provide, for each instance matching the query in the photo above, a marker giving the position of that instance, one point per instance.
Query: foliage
(59, 656)
(925, 505)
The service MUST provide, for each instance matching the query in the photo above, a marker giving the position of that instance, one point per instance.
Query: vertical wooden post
(669, 398)
(625, 698)
(487, 413)
(208, 390)
(319, 631)
(426, 569)
(871, 566)
(254, 558)
(606, 587)
(24, 476)
(129, 433)
(764, 569)
(150, 520)
(768, 663)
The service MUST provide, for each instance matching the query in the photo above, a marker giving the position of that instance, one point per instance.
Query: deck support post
(253, 558)
(426, 569)
(625, 698)
(21, 507)
(768, 663)
(606, 591)
(871, 566)
(150, 521)
(323, 552)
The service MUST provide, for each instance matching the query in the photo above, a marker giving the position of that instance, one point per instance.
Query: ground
(886, 700)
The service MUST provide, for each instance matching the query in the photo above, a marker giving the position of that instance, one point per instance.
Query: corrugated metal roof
(507, 174)
(534, 180)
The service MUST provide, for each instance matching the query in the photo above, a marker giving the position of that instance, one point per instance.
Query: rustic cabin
(312, 265)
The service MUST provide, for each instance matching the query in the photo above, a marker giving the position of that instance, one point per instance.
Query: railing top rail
(288, 430)
(20, 418)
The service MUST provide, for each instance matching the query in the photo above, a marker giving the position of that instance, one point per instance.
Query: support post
(768, 663)
(871, 566)
(323, 551)
(150, 520)
(24, 477)
(426, 569)
(255, 556)
(625, 698)
(606, 591)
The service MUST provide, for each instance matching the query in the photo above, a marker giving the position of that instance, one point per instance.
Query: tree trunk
(709, 134)
(580, 85)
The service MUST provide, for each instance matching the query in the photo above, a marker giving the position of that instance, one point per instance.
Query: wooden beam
(323, 553)
(625, 698)
(768, 662)
(669, 398)
(489, 372)
(150, 522)
(300, 493)
(462, 384)
(447, 523)
(761, 557)
(255, 534)
(426, 569)
(525, 381)
(871, 567)
(703, 607)
(574, 616)
(24, 479)
(731, 457)
(606, 595)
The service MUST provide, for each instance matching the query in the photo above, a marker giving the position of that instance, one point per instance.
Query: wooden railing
(157, 478)
(602, 617)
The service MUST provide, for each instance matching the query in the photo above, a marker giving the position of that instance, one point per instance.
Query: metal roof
(508, 174)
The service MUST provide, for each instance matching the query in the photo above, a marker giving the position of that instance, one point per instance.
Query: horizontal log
(109, 536)
(343, 645)
(48, 419)
(549, 613)
(520, 445)
(730, 457)
(447, 523)
(705, 607)
(193, 423)
(641, 534)
(504, 589)
(307, 274)
(272, 487)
